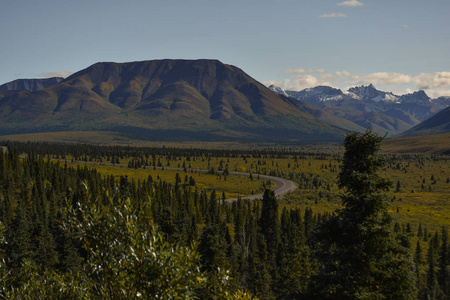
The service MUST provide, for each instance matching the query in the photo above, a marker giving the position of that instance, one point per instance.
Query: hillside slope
(437, 124)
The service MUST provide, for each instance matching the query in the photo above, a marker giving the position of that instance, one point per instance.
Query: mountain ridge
(368, 107)
(30, 84)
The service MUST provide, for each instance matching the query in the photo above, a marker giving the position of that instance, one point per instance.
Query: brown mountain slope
(179, 99)
(437, 124)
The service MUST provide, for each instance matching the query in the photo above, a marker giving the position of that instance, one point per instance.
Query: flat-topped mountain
(163, 99)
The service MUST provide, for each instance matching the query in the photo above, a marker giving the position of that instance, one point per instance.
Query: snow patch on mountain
(277, 90)
(371, 93)
(362, 93)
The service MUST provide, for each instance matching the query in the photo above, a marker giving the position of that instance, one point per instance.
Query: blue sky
(398, 45)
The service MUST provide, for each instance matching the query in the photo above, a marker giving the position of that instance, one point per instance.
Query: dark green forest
(71, 233)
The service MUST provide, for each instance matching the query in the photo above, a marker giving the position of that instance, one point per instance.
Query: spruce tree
(270, 232)
(269, 220)
(357, 255)
(444, 263)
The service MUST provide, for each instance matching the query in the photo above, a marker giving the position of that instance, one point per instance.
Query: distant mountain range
(30, 84)
(367, 106)
(165, 100)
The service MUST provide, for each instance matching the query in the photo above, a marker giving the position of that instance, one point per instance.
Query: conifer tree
(212, 248)
(293, 257)
(444, 263)
(269, 220)
(270, 229)
(357, 254)
(432, 284)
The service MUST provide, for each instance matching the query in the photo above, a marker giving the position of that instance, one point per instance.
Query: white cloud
(352, 3)
(284, 84)
(304, 81)
(57, 74)
(346, 74)
(406, 91)
(384, 78)
(304, 71)
(333, 15)
(308, 78)
(435, 93)
(432, 80)
(297, 83)
(339, 78)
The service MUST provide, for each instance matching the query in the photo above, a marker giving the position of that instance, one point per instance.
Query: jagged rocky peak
(416, 97)
(363, 90)
(363, 93)
(443, 101)
(370, 92)
(319, 93)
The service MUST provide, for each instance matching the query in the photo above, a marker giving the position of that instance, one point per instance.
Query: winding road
(283, 186)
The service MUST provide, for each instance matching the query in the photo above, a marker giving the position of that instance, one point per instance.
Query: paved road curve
(283, 186)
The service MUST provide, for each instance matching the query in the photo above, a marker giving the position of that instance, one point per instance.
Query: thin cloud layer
(63, 74)
(302, 71)
(352, 3)
(333, 15)
(384, 78)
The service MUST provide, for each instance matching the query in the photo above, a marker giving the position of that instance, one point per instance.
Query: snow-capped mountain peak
(277, 90)
(322, 94)
(318, 93)
(368, 107)
(371, 93)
